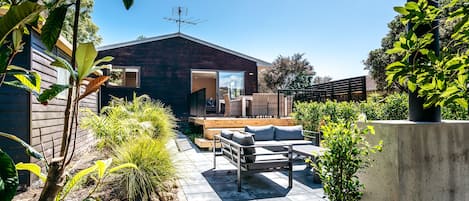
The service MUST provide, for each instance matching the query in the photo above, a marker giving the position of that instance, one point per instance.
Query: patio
(198, 180)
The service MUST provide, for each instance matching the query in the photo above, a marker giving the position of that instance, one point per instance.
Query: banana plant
(13, 27)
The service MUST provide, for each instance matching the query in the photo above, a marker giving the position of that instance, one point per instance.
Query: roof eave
(157, 38)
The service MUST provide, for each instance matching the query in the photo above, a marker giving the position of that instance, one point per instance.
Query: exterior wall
(48, 120)
(15, 114)
(420, 161)
(210, 84)
(166, 70)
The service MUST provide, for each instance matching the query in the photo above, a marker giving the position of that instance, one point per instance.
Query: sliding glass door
(230, 83)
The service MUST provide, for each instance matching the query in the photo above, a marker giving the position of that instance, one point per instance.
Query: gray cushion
(227, 134)
(245, 139)
(261, 133)
(288, 132)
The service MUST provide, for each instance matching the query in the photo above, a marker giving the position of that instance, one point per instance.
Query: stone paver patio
(200, 182)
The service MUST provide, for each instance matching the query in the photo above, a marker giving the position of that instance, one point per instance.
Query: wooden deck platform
(213, 125)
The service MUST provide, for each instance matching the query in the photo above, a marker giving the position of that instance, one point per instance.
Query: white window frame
(63, 77)
(139, 74)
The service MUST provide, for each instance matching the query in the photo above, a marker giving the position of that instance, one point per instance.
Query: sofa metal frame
(234, 153)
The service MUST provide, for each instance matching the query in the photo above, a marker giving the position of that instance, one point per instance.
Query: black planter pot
(419, 114)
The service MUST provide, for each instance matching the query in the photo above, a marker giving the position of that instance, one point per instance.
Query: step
(205, 143)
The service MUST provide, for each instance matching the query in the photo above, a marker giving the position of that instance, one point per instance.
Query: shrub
(308, 114)
(154, 167)
(144, 109)
(347, 152)
(454, 112)
(346, 111)
(122, 120)
(395, 107)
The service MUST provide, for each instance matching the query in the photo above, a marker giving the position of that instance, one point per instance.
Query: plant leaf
(62, 63)
(8, 177)
(411, 85)
(28, 148)
(23, 13)
(97, 70)
(449, 91)
(31, 80)
(128, 3)
(102, 167)
(33, 168)
(51, 93)
(104, 59)
(401, 10)
(51, 30)
(5, 53)
(85, 56)
(74, 180)
(125, 165)
(94, 85)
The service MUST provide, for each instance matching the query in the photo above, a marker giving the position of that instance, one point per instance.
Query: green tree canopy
(378, 59)
(293, 72)
(87, 29)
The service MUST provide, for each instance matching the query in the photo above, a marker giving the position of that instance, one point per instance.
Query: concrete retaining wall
(420, 161)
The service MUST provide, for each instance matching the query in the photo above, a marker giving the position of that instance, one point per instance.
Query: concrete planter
(420, 161)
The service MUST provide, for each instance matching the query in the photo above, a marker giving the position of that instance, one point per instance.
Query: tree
(439, 76)
(293, 72)
(320, 80)
(378, 59)
(141, 37)
(87, 29)
(20, 17)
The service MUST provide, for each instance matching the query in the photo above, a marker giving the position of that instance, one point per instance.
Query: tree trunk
(53, 183)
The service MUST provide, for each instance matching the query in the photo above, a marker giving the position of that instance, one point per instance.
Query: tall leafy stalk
(14, 24)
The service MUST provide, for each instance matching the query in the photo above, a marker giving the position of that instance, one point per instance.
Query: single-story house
(171, 67)
(22, 115)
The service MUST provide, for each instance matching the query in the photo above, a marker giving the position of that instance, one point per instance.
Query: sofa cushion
(226, 134)
(288, 132)
(261, 133)
(246, 140)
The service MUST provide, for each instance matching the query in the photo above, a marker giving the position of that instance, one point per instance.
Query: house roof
(174, 35)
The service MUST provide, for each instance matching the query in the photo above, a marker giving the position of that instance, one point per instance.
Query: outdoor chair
(239, 149)
(232, 107)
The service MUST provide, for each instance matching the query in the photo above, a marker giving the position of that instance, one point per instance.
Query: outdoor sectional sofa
(260, 148)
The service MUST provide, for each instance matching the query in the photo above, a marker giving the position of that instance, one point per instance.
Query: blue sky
(335, 35)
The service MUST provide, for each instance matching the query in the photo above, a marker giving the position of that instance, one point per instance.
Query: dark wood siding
(166, 69)
(15, 114)
(48, 120)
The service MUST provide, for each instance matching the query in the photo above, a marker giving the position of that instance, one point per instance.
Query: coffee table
(312, 152)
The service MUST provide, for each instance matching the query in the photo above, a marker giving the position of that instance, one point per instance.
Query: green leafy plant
(441, 78)
(8, 177)
(102, 169)
(395, 107)
(154, 167)
(8, 171)
(22, 15)
(123, 120)
(308, 114)
(347, 153)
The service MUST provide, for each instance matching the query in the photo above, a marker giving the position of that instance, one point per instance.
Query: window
(62, 78)
(125, 76)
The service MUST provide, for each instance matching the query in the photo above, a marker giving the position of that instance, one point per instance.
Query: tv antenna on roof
(179, 11)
